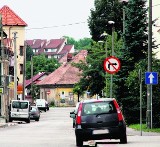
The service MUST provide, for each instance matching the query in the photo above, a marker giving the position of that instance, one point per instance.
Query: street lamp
(124, 2)
(112, 23)
(105, 34)
(149, 87)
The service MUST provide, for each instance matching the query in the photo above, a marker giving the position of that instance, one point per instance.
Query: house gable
(10, 18)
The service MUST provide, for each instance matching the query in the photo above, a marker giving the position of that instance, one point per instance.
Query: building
(54, 48)
(34, 80)
(156, 26)
(59, 84)
(13, 23)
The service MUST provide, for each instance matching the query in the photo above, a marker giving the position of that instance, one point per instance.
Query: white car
(19, 110)
(42, 104)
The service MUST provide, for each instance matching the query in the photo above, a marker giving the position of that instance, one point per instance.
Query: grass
(144, 128)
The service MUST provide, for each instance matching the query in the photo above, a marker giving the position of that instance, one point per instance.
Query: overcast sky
(62, 17)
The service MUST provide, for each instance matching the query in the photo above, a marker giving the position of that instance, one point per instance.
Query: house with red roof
(34, 80)
(53, 48)
(13, 23)
(10, 23)
(59, 84)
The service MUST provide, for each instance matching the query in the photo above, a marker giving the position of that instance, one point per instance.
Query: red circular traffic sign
(48, 92)
(111, 64)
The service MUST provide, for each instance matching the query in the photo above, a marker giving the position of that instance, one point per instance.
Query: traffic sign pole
(111, 65)
(151, 78)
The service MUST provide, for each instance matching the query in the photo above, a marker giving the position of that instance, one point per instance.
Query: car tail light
(78, 118)
(120, 116)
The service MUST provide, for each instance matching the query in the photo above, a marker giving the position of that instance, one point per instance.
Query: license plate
(100, 131)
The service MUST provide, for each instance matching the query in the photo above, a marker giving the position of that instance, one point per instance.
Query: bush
(52, 104)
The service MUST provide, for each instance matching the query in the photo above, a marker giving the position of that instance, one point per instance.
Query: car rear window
(106, 107)
(20, 105)
(33, 109)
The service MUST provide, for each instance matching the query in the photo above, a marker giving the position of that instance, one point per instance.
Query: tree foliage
(105, 10)
(93, 75)
(84, 43)
(29, 53)
(41, 64)
(133, 57)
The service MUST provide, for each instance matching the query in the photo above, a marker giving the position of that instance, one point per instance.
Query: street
(55, 130)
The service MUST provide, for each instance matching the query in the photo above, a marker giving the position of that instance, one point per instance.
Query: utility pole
(106, 49)
(15, 66)
(32, 76)
(24, 70)
(1, 65)
(149, 86)
(111, 85)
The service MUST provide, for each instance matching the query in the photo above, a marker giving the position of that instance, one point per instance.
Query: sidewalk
(3, 125)
(132, 132)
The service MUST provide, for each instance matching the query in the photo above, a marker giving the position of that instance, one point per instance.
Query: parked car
(35, 113)
(73, 114)
(99, 119)
(42, 104)
(19, 110)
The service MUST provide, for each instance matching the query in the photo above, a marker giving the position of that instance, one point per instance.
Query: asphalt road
(55, 130)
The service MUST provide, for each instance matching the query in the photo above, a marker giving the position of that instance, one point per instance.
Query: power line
(155, 5)
(77, 23)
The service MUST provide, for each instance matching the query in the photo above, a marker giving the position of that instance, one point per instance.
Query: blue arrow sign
(151, 78)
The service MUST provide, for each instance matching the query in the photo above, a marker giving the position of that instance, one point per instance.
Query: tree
(41, 64)
(105, 10)
(29, 53)
(83, 43)
(93, 75)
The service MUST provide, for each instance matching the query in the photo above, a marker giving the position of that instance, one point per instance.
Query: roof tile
(65, 74)
(9, 17)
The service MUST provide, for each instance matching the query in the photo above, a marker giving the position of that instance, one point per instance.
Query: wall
(9, 30)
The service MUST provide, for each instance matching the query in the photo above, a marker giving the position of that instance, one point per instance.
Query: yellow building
(14, 27)
(58, 86)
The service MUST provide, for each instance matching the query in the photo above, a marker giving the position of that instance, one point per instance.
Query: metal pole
(124, 26)
(140, 79)
(15, 67)
(149, 89)
(1, 68)
(151, 107)
(24, 70)
(32, 77)
(106, 72)
(111, 85)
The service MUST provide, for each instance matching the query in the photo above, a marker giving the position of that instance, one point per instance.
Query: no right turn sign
(111, 64)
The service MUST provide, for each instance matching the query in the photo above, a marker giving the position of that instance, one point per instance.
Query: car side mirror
(72, 114)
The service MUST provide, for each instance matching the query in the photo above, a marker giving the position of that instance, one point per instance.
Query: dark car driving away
(99, 119)
(35, 113)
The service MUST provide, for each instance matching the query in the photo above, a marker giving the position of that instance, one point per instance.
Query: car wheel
(28, 120)
(123, 139)
(44, 110)
(10, 120)
(37, 119)
(73, 125)
(79, 141)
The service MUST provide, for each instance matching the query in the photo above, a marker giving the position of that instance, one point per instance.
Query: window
(21, 51)
(21, 68)
(100, 107)
(20, 105)
(46, 50)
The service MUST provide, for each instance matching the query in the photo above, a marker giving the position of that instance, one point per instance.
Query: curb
(3, 125)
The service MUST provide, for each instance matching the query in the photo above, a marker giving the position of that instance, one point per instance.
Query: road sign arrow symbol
(151, 77)
(112, 65)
